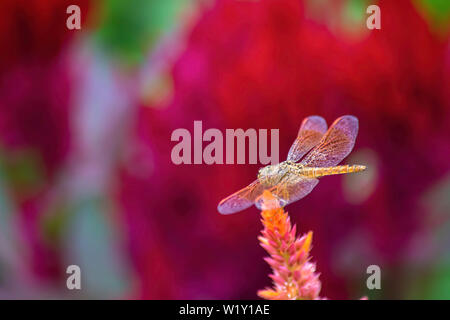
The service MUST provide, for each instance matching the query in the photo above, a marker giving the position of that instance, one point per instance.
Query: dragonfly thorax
(273, 173)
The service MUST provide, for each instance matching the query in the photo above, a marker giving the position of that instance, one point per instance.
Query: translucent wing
(291, 189)
(335, 145)
(310, 133)
(242, 199)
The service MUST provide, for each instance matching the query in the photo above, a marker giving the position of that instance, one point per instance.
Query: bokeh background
(86, 118)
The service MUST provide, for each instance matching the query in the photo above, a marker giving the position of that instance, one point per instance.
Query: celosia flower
(294, 276)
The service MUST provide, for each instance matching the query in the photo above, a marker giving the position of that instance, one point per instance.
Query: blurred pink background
(86, 117)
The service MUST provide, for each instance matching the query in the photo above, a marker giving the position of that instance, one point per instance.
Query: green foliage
(437, 12)
(129, 28)
(21, 170)
(355, 11)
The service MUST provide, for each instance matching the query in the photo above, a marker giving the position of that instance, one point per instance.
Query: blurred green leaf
(355, 11)
(439, 283)
(129, 28)
(22, 170)
(437, 12)
(54, 224)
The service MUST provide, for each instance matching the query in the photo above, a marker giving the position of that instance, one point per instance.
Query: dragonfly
(315, 153)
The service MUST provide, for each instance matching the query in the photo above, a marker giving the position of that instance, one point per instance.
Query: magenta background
(237, 64)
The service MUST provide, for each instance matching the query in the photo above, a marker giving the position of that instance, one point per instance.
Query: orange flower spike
(307, 244)
(293, 275)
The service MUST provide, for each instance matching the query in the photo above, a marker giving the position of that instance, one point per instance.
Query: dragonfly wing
(309, 135)
(335, 145)
(242, 199)
(290, 190)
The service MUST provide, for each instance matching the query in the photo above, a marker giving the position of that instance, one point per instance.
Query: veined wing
(335, 145)
(291, 189)
(310, 133)
(242, 199)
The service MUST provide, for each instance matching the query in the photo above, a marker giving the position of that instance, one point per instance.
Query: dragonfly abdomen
(317, 172)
